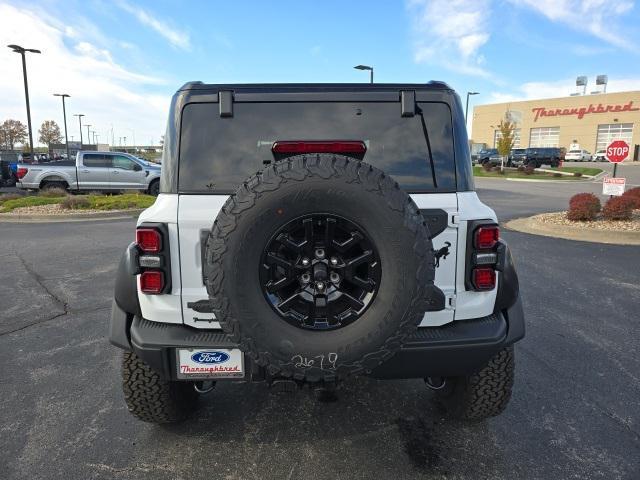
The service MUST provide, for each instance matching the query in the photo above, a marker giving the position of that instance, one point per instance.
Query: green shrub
(121, 202)
(9, 196)
(79, 202)
(28, 201)
(583, 207)
(618, 208)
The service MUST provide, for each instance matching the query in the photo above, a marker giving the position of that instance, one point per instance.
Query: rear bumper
(458, 348)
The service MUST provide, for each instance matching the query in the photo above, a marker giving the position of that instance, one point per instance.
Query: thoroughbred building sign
(580, 112)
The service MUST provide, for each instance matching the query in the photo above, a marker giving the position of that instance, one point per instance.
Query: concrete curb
(74, 217)
(532, 226)
(566, 174)
(535, 180)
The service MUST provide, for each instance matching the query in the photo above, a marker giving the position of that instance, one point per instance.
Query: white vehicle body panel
(190, 217)
(471, 304)
(164, 308)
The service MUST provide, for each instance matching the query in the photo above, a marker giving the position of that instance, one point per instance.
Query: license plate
(209, 363)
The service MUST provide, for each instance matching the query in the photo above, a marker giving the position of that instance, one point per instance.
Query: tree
(12, 132)
(507, 137)
(49, 133)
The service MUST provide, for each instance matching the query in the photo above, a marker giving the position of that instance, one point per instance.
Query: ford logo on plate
(210, 357)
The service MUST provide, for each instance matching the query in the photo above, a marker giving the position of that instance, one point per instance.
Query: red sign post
(617, 151)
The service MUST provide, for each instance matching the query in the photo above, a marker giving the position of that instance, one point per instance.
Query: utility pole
(79, 115)
(64, 113)
(21, 51)
(88, 134)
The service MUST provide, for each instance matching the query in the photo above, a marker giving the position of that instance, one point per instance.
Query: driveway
(575, 412)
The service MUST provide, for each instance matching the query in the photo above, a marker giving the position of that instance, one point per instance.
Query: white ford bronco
(307, 233)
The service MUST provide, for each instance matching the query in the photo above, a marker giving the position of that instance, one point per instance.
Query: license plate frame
(210, 364)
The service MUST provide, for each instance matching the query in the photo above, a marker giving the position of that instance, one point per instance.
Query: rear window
(96, 160)
(217, 154)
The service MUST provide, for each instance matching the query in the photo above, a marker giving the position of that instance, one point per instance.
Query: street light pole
(466, 109)
(21, 51)
(80, 115)
(366, 67)
(88, 134)
(64, 113)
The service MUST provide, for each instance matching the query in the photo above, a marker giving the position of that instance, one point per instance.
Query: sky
(121, 61)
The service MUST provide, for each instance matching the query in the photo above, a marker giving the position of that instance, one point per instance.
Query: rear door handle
(114, 172)
(86, 171)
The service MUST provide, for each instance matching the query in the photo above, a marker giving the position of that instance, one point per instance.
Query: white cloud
(175, 37)
(597, 17)
(559, 88)
(450, 33)
(105, 91)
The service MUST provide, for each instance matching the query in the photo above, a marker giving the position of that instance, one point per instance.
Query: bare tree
(12, 132)
(49, 133)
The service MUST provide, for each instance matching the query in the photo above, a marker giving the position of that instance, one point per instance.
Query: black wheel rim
(320, 272)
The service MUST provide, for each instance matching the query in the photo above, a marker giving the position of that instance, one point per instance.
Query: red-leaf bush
(634, 195)
(618, 208)
(583, 206)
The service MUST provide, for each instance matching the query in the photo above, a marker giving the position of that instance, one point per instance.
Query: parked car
(578, 156)
(92, 171)
(538, 156)
(7, 174)
(484, 155)
(321, 266)
(600, 156)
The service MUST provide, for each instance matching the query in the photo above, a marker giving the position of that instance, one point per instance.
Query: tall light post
(134, 139)
(64, 114)
(466, 109)
(88, 134)
(80, 115)
(366, 67)
(22, 51)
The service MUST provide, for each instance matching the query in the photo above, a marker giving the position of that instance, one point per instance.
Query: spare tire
(319, 267)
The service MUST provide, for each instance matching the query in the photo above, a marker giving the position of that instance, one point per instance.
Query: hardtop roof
(315, 87)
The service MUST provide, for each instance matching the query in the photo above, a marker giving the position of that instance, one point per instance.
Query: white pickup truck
(92, 171)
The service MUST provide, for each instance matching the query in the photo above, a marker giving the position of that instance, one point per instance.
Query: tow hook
(435, 383)
(204, 387)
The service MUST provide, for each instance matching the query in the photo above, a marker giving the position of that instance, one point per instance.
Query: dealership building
(592, 121)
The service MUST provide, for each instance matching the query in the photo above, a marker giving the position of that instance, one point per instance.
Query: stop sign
(617, 151)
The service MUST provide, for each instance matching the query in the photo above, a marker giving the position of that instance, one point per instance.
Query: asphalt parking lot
(575, 412)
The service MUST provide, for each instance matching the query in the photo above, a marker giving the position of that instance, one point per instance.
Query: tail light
(154, 262)
(152, 282)
(149, 240)
(486, 238)
(482, 255)
(484, 278)
(21, 172)
(319, 146)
